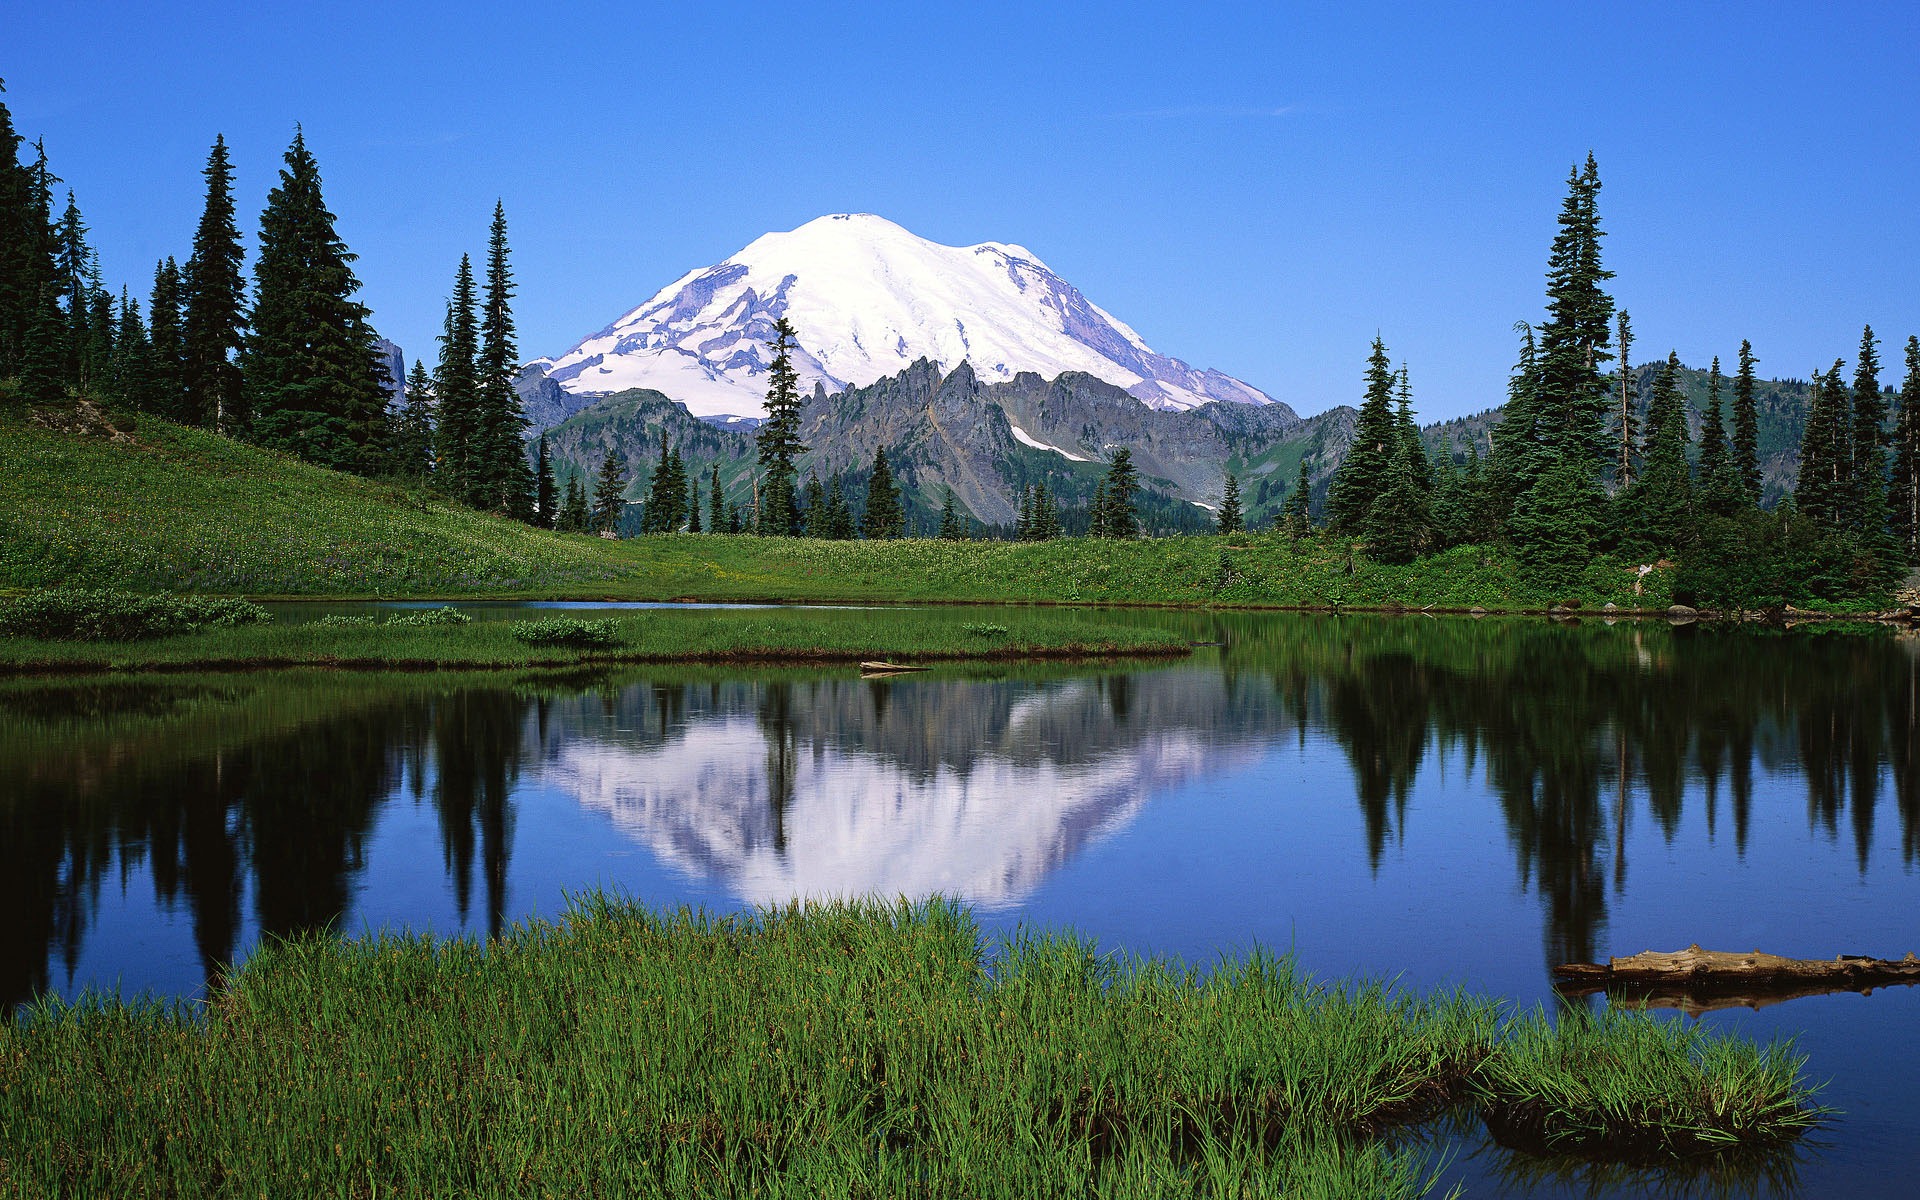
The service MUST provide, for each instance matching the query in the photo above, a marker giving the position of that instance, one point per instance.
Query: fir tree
(839, 515)
(610, 493)
(1660, 503)
(779, 439)
(883, 517)
(1904, 500)
(950, 527)
(1575, 338)
(1023, 522)
(814, 518)
(1520, 449)
(1114, 516)
(1409, 434)
(574, 517)
(1362, 476)
(1298, 514)
(77, 274)
(1746, 426)
(456, 388)
(544, 497)
(666, 505)
(717, 503)
(1867, 475)
(25, 265)
(1230, 520)
(1820, 492)
(1626, 421)
(693, 505)
(1555, 521)
(213, 297)
(130, 378)
(168, 365)
(42, 357)
(314, 383)
(1046, 513)
(1397, 522)
(501, 480)
(1721, 489)
(411, 432)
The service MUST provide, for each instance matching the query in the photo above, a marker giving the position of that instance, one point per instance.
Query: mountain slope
(868, 299)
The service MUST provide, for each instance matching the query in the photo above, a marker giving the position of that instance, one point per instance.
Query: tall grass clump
(101, 615)
(845, 1049)
(568, 631)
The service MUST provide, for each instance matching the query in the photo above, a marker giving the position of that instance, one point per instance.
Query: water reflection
(248, 803)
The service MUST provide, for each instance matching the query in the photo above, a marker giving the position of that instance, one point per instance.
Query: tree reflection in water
(258, 794)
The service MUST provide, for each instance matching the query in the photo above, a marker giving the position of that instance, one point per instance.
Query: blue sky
(1257, 188)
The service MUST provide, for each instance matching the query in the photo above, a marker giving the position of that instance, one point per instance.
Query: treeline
(1580, 467)
(292, 363)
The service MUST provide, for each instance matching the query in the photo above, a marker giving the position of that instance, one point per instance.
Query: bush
(77, 614)
(566, 631)
(446, 614)
(981, 629)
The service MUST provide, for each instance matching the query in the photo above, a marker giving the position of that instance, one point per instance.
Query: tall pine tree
(779, 439)
(456, 389)
(544, 498)
(314, 382)
(410, 437)
(610, 493)
(883, 517)
(26, 264)
(168, 345)
(1362, 476)
(1821, 492)
(213, 301)
(501, 480)
(1746, 426)
(1626, 421)
(1720, 487)
(1904, 500)
(1231, 519)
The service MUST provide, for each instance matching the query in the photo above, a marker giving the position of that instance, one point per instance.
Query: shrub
(78, 614)
(446, 614)
(982, 629)
(566, 631)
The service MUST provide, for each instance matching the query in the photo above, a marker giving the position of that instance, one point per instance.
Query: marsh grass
(431, 638)
(847, 1049)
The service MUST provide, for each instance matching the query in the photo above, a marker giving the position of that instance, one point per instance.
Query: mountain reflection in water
(251, 804)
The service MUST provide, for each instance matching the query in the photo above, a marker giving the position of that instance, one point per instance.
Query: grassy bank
(685, 636)
(841, 1050)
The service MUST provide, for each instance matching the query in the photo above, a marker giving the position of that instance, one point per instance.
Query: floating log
(1696, 981)
(885, 668)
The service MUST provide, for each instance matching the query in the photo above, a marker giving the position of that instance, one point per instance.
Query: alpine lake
(1439, 802)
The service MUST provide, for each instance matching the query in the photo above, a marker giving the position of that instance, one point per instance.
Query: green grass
(689, 636)
(845, 1050)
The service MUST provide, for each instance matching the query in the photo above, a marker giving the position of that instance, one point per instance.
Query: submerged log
(1696, 981)
(885, 668)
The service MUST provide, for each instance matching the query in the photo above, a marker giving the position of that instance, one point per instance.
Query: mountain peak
(868, 297)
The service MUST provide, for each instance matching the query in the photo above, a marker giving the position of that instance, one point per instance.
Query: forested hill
(1782, 405)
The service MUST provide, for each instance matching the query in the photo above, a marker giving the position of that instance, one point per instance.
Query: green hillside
(152, 505)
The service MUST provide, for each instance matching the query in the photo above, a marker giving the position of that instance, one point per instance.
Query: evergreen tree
(1721, 489)
(693, 505)
(1659, 506)
(456, 388)
(1398, 521)
(1626, 421)
(314, 383)
(610, 493)
(168, 365)
(1362, 476)
(1298, 514)
(1409, 434)
(814, 519)
(130, 377)
(77, 274)
(1520, 450)
(1868, 473)
(574, 517)
(950, 526)
(1230, 520)
(717, 501)
(25, 264)
(1575, 338)
(1904, 500)
(1746, 427)
(1023, 523)
(544, 497)
(666, 508)
(501, 480)
(43, 356)
(1555, 521)
(779, 439)
(883, 517)
(1820, 492)
(411, 432)
(839, 515)
(1114, 518)
(213, 299)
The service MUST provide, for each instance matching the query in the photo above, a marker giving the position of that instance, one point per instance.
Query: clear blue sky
(1257, 188)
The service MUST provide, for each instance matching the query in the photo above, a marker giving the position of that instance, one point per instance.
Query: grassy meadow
(847, 1050)
(792, 635)
(182, 510)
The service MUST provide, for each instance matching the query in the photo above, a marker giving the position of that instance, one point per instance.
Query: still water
(1442, 802)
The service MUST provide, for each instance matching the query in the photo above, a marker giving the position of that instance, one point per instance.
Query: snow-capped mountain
(867, 299)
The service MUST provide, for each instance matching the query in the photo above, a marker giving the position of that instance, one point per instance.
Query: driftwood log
(1696, 981)
(885, 668)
